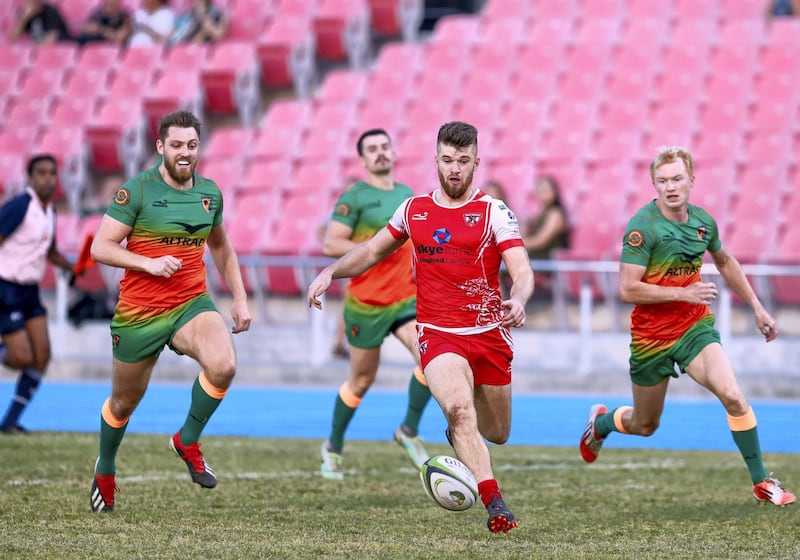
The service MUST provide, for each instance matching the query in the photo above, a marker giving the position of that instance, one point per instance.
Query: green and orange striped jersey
(673, 254)
(166, 221)
(367, 210)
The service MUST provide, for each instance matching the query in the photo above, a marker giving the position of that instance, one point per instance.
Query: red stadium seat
(230, 81)
(396, 17)
(116, 137)
(342, 28)
(286, 54)
(172, 91)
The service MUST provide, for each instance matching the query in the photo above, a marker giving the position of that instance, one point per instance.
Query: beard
(179, 174)
(455, 191)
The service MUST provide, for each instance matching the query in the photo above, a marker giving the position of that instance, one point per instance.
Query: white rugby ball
(449, 482)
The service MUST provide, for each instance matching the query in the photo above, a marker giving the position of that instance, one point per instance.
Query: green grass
(271, 503)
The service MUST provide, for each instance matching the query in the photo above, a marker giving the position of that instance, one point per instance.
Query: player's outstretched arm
(226, 261)
(522, 284)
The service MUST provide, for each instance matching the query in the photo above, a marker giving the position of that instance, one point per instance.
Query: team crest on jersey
(207, 202)
(472, 219)
(122, 197)
(342, 210)
(701, 233)
(635, 238)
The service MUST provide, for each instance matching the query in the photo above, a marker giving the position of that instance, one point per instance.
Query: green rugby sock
(418, 397)
(342, 414)
(202, 407)
(110, 438)
(749, 447)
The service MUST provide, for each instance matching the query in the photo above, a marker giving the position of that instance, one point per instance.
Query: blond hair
(670, 154)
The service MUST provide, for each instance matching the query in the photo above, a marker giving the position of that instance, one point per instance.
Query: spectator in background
(783, 8)
(153, 23)
(203, 23)
(110, 21)
(495, 189)
(41, 22)
(549, 228)
(27, 244)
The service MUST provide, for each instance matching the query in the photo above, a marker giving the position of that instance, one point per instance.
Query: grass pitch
(271, 503)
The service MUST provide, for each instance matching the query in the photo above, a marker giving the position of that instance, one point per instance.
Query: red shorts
(489, 354)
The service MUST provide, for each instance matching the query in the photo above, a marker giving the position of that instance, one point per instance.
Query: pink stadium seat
(27, 112)
(73, 112)
(342, 28)
(380, 113)
(12, 172)
(633, 75)
(396, 17)
(724, 115)
(734, 87)
(715, 187)
(506, 31)
(767, 146)
(61, 56)
(508, 9)
(92, 84)
(640, 11)
(286, 54)
(185, 57)
(481, 111)
(322, 178)
(684, 71)
(420, 176)
(718, 146)
(562, 144)
(46, 84)
(116, 137)
(417, 142)
(783, 32)
(99, 56)
(691, 10)
(764, 177)
(250, 221)
(267, 177)
(571, 115)
(343, 86)
(404, 60)
(751, 240)
(460, 29)
(76, 12)
(67, 145)
(231, 141)
(132, 84)
(226, 172)
(620, 144)
(230, 81)
(774, 115)
(516, 143)
(172, 91)
(249, 19)
(143, 58)
(748, 10)
(749, 33)
(603, 32)
(566, 10)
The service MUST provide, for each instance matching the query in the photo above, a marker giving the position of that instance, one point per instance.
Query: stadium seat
(417, 174)
(172, 91)
(250, 221)
(230, 81)
(67, 145)
(43, 84)
(12, 173)
(380, 113)
(286, 54)
(27, 112)
(747, 10)
(315, 176)
(98, 56)
(702, 12)
(714, 189)
(734, 87)
(231, 141)
(748, 33)
(143, 58)
(185, 57)
(783, 32)
(92, 84)
(718, 146)
(516, 143)
(574, 115)
(249, 19)
(602, 32)
(768, 146)
(518, 180)
(61, 55)
(75, 13)
(396, 17)
(227, 173)
(328, 132)
(342, 28)
(282, 129)
(266, 176)
(16, 56)
(116, 137)
(764, 177)
(616, 144)
(634, 75)
(648, 24)
(508, 9)
(563, 10)
(132, 84)
(509, 32)
(345, 86)
(457, 29)
(774, 115)
(683, 75)
(402, 59)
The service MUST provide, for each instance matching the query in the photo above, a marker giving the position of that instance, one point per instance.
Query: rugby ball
(449, 482)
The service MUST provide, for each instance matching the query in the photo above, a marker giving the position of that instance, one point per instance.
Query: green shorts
(367, 325)
(134, 340)
(652, 360)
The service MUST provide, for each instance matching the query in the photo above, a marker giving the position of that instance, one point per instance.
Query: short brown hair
(181, 119)
(458, 134)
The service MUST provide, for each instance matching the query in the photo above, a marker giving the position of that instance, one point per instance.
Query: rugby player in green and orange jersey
(671, 323)
(378, 302)
(167, 215)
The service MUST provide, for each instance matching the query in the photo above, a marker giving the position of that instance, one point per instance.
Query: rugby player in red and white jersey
(460, 238)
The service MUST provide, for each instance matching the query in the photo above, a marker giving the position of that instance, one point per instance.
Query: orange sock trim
(213, 392)
(109, 417)
(420, 376)
(618, 419)
(742, 423)
(349, 397)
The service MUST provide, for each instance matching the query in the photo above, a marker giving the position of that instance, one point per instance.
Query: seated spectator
(783, 8)
(41, 22)
(153, 23)
(110, 21)
(495, 189)
(204, 22)
(548, 230)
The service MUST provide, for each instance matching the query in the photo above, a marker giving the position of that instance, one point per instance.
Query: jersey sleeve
(397, 225)
(347, 211)
(504, 225)
(715, 243)
(12, 213)
(126, 203)
(638, 242)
